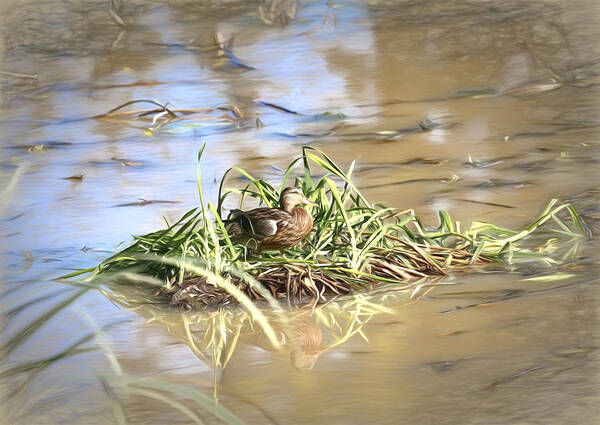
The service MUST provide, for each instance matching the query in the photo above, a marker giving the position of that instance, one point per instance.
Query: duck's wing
(260, 223)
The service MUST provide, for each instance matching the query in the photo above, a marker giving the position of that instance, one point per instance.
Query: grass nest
(354, 245)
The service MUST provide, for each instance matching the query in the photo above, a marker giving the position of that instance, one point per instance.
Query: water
(508, 93)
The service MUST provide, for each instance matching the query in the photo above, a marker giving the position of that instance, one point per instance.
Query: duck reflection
(306, 339)
(305, 333)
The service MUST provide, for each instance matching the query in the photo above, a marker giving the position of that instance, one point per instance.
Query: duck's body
(272, 228)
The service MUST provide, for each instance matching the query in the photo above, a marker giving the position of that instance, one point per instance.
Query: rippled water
(486, 109)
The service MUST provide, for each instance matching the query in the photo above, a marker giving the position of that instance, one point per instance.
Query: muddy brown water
(486, 109)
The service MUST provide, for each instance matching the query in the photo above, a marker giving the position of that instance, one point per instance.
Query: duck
(272, 228)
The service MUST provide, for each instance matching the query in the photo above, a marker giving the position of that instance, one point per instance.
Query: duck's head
(292, 196)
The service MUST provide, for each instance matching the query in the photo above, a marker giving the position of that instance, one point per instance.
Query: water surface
(486, 109)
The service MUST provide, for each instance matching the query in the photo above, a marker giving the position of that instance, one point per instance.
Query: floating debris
(487, 164)
(514, 376)
(124, 162)
(409, 181)
(143, 202)
(330, 116)
(493, 204)
(41, 147)
(162, 115)
(499, 183)
(277, 107)
(533, 88)
(36, 148)
(224, 47)
(115, 8)
(28, 260)
(74, 178)
(127, 162)
(19, 75)
(414, 161)
(15, 217)
(277, 12)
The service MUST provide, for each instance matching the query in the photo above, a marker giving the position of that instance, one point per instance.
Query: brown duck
(273, 228)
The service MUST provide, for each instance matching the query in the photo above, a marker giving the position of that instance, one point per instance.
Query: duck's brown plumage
(272, 228)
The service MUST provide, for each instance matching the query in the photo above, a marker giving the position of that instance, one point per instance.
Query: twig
(18, 75)
(131, 102)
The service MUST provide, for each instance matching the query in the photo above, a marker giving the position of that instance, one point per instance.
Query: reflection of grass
(19, 378)
(23, 335)
(355, 244)
(305, 333)
(213, 336)
(184, 398)
(16, 377)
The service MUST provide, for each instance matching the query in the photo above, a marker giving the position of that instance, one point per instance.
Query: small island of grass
(354, 245)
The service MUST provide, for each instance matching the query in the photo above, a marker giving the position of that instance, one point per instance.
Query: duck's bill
(307, 202)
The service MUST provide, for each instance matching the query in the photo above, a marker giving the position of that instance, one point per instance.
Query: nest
(301, 283)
